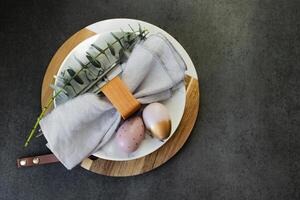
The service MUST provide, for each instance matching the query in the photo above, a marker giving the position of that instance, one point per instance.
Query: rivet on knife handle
(36, 160)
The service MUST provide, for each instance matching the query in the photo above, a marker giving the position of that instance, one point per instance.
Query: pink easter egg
(130, 134)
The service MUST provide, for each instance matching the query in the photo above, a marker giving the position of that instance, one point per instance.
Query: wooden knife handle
(36, 160)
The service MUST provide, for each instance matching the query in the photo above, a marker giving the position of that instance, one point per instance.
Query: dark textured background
(245, 144)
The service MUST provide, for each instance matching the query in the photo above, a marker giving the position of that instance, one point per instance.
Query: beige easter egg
(157, 120)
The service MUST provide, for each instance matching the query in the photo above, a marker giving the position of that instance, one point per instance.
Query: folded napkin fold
(81, 126)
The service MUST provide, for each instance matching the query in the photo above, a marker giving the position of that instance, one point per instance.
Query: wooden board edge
(86, 163)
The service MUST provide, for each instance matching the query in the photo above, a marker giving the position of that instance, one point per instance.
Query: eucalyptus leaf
(93, 60)
(140, 29)
(111, 49)
(118, 39)
(69, 84)
(141, 32)
(100, 50)
(86, 75)
(76, 78)
(132, 42)
(123, 55)
(128, 37)
(81, 63)
(131, 28)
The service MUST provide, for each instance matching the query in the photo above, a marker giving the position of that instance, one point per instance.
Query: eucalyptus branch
(113, 43)
(88, 87)
(141, 33)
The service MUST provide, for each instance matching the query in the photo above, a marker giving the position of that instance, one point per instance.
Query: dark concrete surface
(245, 144)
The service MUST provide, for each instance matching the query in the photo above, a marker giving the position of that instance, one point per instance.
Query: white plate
(175, 104)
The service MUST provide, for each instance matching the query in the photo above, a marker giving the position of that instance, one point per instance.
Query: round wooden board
(144, 164)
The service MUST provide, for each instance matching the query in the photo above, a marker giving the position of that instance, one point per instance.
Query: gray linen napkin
(81, 126)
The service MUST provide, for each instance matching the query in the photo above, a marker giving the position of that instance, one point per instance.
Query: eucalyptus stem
(49, 103)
